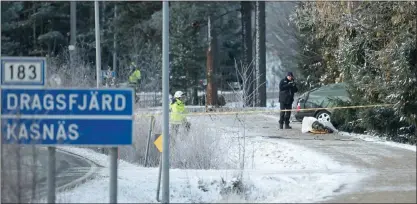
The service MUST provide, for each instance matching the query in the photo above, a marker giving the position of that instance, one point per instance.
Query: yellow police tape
(265, 111)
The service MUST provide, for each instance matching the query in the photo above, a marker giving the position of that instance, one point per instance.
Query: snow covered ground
(368, 138)
(380, 140)
(275, 171)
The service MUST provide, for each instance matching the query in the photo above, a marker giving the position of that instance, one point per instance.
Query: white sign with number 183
(23, 71)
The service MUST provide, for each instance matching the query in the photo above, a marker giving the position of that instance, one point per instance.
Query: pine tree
(372, 47)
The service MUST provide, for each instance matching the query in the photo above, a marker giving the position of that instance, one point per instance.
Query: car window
(323, 96)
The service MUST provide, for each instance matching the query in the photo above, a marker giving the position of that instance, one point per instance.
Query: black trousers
(284, 116)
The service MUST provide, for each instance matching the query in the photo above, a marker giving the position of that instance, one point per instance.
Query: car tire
(323, 115)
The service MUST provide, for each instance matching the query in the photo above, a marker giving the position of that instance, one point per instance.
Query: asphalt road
(393, 177)
(70, 169)
(394, 169)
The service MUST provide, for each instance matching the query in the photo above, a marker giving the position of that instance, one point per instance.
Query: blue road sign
(93, 117)
(23, 71)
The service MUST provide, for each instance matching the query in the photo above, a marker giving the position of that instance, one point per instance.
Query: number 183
(29, 72)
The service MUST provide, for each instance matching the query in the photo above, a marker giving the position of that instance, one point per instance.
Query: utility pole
(73, 36)
(114, 42)
(98, 42)
(260, 54)
(211, 96)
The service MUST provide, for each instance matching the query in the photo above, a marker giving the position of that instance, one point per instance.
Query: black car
(318, 100)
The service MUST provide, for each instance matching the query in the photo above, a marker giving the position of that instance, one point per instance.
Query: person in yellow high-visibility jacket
(178, 112)
(134, 79)
(135, 75)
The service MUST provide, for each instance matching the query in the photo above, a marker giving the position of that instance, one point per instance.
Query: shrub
(383, 121)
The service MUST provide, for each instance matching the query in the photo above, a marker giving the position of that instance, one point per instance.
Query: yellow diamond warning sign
(158, 143)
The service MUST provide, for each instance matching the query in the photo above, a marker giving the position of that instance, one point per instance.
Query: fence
(154, 99)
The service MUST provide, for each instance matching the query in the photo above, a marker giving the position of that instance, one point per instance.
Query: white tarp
(306, 125)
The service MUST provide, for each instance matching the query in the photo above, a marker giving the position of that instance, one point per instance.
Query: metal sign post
(165, 99)
(1, 144)
(158, 188)
(51, 174)
(158, 145)
(113, 153)
(151, 125)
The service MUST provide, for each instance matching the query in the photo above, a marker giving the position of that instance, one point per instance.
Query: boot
(287, 126)
(281, 126)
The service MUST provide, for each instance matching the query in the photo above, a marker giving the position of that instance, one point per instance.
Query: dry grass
(20, 168)
(196, 149)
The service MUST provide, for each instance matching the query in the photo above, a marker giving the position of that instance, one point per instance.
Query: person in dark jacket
(287, 88)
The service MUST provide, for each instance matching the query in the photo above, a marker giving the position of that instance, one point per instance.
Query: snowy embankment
(380, 140)
(280, 172)
(369, 138)
(274, 171)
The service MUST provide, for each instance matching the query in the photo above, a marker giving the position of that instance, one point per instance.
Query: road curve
(390, 172)
(71, 170)
(393, 177)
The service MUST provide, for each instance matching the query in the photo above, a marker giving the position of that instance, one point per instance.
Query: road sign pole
(158, 188)
(51, 174)
(165, 97)
(113, 175)
(152, 123)
(1, 122)
(113, 151)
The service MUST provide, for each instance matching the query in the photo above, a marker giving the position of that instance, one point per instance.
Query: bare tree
(80, 74)
(20, 183)
(243, 95)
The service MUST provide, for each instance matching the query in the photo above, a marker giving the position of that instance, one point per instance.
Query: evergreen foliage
(372, 47)
(43, 29)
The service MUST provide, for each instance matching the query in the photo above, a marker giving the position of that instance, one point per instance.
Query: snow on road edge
(280, 172)
(101, 159)
(380, 140)
(367, 138)
(275, 171)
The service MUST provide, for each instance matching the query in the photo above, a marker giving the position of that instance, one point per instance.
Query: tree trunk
(247, 51)
(34, 31)
(260, 54)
